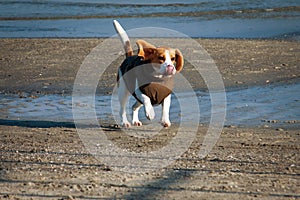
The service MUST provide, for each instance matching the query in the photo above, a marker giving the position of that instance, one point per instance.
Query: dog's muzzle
(169, 69)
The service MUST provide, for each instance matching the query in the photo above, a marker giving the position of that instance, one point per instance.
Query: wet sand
(41, 66)
(52, 162)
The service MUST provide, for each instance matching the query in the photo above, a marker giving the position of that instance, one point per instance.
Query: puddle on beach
(258, 106)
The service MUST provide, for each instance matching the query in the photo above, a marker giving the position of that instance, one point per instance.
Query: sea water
(273, 105)
(93, 18)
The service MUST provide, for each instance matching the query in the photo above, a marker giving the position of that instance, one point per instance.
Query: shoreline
(292, 36)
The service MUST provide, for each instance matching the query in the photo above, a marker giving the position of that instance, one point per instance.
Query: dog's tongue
(169, 70)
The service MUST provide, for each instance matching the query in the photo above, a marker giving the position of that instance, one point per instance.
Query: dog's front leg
(149, 110)
(165, 121)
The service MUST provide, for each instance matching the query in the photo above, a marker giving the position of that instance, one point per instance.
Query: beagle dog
(148, 76)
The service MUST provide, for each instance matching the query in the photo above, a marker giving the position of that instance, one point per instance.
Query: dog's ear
(179, 60)
(145, 49)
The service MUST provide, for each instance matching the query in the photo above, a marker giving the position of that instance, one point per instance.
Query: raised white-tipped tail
(124, 38)
(122, 34)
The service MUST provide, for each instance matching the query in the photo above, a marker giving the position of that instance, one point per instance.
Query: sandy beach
(41, 66)
(51, 162)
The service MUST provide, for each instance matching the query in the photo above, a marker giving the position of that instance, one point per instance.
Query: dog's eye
(173, 59)
(161, 58)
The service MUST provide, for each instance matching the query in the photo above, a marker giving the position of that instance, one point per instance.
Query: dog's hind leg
(123, 95)
(135, 114)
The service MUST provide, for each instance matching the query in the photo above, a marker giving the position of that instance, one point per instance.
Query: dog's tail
(124, 38)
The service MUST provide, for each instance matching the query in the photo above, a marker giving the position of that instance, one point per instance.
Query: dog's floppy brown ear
(145, 49)
(179, 60)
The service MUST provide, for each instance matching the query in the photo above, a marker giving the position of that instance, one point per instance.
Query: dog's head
(170, 60)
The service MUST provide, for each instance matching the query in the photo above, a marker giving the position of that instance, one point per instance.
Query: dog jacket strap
(135, 96)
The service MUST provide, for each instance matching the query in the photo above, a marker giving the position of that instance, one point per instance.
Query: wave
(289, 11)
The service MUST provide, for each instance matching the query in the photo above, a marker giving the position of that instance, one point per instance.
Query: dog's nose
(169, 69)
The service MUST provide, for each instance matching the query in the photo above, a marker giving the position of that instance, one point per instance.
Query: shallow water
(258, 106)
(93, 18)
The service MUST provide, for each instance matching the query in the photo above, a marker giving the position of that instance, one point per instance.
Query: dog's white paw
(137, 123)
(149, 110)
(166, 124)
(126, 124)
